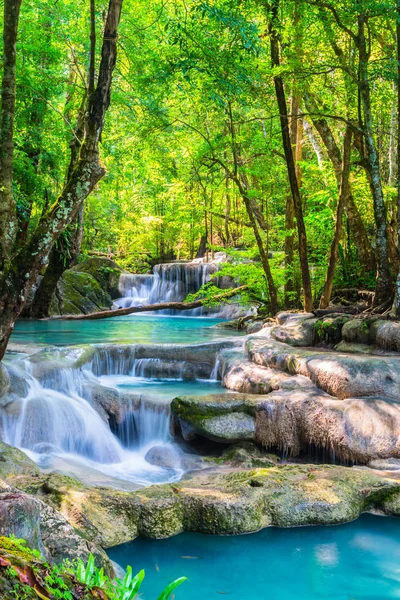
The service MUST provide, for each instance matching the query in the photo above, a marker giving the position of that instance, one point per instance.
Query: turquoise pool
(122, 330)
(356, 561)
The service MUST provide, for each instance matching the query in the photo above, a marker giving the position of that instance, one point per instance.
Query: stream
(58, 418)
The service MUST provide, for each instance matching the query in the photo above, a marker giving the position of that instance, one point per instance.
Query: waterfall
(146, 425)
(56, 419)
(171, 282)
(61, 421)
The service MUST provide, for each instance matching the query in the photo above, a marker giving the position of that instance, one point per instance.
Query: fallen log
(121, 312)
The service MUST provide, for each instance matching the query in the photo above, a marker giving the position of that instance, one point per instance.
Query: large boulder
(78, 293)
(239, 374)
(104, 270)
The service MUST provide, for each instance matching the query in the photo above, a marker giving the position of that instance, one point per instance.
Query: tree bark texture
(365, 251)
(343, 197)
(291, 168)
(8, 217)
(383, 277)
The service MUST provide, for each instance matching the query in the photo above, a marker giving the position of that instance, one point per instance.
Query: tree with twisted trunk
(20, 264)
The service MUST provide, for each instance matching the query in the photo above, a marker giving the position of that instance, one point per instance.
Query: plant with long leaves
(119, 589)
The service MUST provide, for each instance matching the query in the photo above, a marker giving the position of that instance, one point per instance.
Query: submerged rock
(163, 456)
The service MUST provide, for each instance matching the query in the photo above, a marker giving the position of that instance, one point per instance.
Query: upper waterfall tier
(171, 282)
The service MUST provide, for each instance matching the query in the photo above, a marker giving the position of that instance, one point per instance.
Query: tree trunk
(242, 186)
(290, 280)
(395, 311)
(297, 202)
(63, 256)
(383, 278)
(8, 218)
(17, 280)
(365, 251)
(120, 312)
(343, 197)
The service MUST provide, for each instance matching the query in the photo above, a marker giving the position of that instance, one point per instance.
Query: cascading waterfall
(59, 420)
(145, 425)
(55, 419)
(171, 282)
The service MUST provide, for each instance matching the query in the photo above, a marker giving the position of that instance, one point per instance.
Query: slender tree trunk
(297, 202)
(383, 279)
(365, 251)
(242, 185)
(17, 280)
(227, 211)
(343, 197)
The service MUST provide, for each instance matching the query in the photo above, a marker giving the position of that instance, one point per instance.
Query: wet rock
(218, 503)
(247, 456)
(111, 404)
(299, 332)
(389, 464)
(193, 353)
(386, 335)
(354, 348)
(356, 331)
(254, 326)
(4, 381)
(27, 517)
(163, 456)
(291, 318)
(20, 517)
(241, 375)
(248, 500)
(14, 462)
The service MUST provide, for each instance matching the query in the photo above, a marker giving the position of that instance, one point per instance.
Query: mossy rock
(328, 331)
(105, 271)
(222, 418)
(79, 293)
(4, 380)
(15, 463)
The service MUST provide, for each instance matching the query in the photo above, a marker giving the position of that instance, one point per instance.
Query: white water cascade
(171, 282)
(55, 420)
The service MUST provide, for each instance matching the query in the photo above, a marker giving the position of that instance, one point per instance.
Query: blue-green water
(356, 561)
(120, 330)
(164, 389)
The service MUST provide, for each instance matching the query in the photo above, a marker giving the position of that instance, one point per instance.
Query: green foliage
(61, 580)
(118, 589)
(194, 112)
